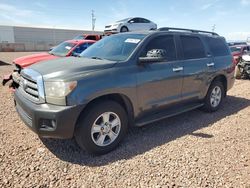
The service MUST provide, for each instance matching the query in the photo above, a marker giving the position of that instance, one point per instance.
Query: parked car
(65, 49)
(88, 37)
(130, 24)
(243, 67)
(238, 50)
(236, 43)
(128, 79)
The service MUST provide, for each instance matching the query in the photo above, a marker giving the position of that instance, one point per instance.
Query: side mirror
(131, 21)
(154, 55)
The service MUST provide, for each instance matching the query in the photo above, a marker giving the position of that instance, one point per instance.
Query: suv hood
(70, 67)
(35, 58)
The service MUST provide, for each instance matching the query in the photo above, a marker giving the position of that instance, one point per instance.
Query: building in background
(14, 38)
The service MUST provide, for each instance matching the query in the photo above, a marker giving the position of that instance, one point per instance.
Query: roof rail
(189, 30)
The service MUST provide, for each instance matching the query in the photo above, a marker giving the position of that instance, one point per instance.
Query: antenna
(93, 19)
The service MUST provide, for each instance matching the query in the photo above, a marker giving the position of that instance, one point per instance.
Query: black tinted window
(144, 20)
(192, 47)
(162, 42)
(217, 46)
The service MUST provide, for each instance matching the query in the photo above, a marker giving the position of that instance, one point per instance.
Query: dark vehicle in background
(239, 50)
(129, 79)
(65, 49)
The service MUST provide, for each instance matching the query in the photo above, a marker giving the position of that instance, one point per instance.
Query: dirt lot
(195, 149)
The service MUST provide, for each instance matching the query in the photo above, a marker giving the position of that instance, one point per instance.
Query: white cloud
(40, 5)
(206, 6)
(6, 8)
(237, 36)
(245, 2)
(120, 11)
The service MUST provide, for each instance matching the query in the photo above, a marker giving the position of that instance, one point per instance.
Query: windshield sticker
(135, 41)
(68, 47)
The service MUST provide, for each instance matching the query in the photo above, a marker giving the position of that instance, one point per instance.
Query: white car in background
(130, 24)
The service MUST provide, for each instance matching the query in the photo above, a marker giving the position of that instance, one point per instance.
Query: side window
(145, 20)
(136, 20)
(217, 46)
(79, 49)
(192, 47)
(90, 37)
(166, 43)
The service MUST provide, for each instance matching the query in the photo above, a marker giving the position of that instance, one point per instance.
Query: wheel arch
(223, 79)
(121, 99)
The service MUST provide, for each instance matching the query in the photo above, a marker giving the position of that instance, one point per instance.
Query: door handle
(210, 64)
(178, 69)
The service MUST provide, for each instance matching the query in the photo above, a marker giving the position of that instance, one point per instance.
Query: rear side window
(217, 46)
(192, 47)
(165, 42)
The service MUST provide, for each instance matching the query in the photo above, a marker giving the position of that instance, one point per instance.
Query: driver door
(159, 83)
(133, 24)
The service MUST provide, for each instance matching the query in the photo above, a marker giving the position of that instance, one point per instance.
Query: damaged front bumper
(13, 78)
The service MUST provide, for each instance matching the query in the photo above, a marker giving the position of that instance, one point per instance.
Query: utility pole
(213, 28)
(93, 19)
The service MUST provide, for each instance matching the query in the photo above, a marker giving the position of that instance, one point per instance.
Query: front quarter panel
(116, 80)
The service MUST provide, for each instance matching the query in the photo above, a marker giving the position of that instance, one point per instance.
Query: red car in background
(239, 50)
(65, 49)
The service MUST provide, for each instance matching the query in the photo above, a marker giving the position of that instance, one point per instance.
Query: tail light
(233, 65)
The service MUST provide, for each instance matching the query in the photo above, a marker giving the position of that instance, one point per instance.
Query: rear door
(195, 64)
(159, 83)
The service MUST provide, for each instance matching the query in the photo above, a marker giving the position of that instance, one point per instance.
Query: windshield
(114, 48)
(79, 37)
(235, 49)
(124, 20)
(62, 49)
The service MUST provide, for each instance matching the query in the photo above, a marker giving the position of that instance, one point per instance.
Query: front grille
(107, 26)
(30, 88)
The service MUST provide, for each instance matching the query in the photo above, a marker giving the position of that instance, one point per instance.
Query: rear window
(192, 47)
(217, 46)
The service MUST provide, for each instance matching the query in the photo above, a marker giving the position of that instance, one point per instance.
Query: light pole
(213, 28)
(93, 19)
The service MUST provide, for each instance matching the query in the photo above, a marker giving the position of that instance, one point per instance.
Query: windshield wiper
(96, 58)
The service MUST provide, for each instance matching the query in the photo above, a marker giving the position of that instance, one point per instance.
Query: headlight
(116, 25)
(56, 92)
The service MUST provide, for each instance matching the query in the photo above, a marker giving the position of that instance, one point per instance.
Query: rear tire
(214, 97)
(102, 127)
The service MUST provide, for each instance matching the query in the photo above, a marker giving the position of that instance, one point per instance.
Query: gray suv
(128, 79)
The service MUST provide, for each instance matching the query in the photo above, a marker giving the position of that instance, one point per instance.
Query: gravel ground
(195, 149)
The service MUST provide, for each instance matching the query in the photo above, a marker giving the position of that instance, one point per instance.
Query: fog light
(47, 124)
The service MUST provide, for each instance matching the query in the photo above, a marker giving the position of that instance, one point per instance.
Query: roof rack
(189, 30)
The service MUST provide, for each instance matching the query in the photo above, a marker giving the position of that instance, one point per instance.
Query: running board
(166, 114)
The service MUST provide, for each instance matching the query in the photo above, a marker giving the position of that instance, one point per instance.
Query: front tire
(237, 72)
(102, 127)
(124, 29)
(214, 97)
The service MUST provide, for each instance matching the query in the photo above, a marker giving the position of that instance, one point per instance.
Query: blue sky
(231, 17)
